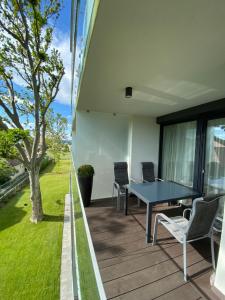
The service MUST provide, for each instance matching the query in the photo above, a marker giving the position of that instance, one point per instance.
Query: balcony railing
(83, 17)
(86, 269)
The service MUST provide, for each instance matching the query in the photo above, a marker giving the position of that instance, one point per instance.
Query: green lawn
(30, 254)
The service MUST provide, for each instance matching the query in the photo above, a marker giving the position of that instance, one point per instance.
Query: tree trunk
(35, 196)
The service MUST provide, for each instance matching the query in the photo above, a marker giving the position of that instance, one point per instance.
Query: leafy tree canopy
(8, 140)
(6, 171)
(56, 133)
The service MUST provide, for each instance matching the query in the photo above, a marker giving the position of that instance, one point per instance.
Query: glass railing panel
(89, 280)
(83, 22)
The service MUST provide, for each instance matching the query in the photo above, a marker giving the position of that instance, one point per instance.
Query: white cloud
(61, 42)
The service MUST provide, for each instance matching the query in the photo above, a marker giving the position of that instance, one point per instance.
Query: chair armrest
(185, 212)
(117, 186)
(164, 217)
(158, 179)
(135, 181)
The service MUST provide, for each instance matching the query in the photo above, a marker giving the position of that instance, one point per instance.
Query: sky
(61, 41)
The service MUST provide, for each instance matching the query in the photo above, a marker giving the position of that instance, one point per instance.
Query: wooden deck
(134, 270)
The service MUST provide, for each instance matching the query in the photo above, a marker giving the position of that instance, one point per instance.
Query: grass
(30, 254)
(88, 284)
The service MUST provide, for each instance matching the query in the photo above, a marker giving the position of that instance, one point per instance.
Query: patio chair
(199, 226)
(148, 174)
(121, 179)
(217, 225)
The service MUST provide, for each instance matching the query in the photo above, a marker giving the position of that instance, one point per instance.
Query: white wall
(220, 270)
(101, 139)
(19, 170)
(144, 144)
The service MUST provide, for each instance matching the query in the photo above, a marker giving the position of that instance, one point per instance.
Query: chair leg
(185, 259)
(122, 203)
(139, 202)
(155, 231)
(113, 192)
(213, 252)
(118, 202)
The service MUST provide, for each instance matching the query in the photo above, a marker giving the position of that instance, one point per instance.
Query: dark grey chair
(121, 179)
(148, 173)
(217, 226)
(199, 226)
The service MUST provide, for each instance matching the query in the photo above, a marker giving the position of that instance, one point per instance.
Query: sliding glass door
(178, 152)
(214, 179)
(178, 156)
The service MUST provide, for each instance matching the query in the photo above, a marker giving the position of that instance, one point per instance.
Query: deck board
(132, 269)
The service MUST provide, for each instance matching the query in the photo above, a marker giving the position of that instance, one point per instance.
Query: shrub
(85, 171)
(45, 162)
(6, 171)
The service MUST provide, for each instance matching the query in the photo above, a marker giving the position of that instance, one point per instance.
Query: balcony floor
(132, 269)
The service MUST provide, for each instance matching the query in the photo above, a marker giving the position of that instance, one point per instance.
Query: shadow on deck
(132, 269)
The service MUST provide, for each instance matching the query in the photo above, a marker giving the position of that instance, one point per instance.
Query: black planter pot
(85, 184)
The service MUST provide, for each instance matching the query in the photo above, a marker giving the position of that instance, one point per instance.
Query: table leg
(126, 202)
(148, 222)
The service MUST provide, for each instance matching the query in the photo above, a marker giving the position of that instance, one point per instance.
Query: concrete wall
(144, 144)
(19, 170)
(101, 139)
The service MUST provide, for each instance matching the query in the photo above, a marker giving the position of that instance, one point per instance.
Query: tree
(26, 54)
(8, 140)
(56, 133)
(6, 171)
(6, 146)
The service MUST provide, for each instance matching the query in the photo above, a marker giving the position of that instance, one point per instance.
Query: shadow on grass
(10, 214)
(53, 218)
(48, 169)
(59, 202)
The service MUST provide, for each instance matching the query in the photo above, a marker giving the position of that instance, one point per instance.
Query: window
(214, 180)
(178, 153)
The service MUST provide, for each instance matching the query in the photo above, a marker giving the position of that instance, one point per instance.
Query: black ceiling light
(128, 92)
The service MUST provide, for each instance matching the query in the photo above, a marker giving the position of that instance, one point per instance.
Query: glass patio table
(156, 192)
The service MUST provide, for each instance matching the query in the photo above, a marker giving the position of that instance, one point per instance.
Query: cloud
(61, 42)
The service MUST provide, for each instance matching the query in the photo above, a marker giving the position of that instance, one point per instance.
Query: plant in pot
(85, 179)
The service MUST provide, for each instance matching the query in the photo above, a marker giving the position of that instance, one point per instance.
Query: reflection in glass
(214, 182)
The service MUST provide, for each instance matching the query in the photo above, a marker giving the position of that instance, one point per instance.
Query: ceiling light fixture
(128, 92)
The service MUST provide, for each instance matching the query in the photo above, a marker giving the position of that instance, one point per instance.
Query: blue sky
(62, 104)
(61, 41)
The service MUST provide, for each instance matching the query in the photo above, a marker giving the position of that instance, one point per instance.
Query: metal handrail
(13, 187)
(13, 181)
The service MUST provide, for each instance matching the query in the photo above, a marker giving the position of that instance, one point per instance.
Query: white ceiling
(171, 52)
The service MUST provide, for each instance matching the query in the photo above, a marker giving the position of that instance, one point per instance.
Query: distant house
(18, 166)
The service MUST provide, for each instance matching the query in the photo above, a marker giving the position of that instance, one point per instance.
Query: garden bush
(6, 171)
